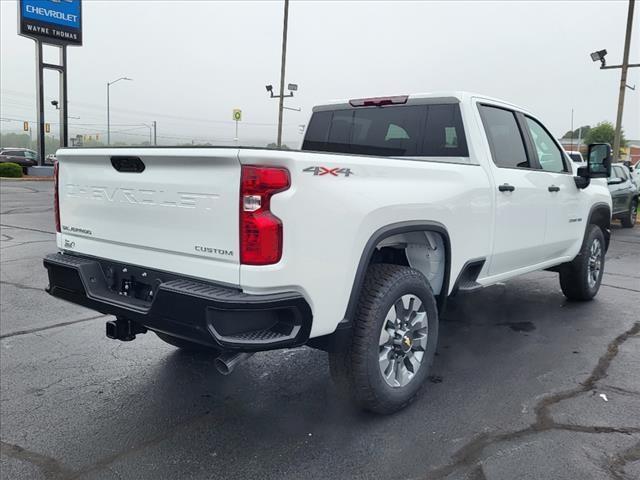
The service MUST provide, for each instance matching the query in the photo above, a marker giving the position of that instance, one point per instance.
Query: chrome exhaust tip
(228, 361)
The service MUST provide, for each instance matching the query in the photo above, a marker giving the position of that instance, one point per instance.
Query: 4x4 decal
(335, 172)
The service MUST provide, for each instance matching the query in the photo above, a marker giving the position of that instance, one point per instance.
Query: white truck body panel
(179, 215)
(327, 220)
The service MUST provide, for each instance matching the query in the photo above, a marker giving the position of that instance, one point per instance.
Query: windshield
(407, 130)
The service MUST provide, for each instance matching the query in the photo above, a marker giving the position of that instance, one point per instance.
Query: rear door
(170, 209)
(520, 194)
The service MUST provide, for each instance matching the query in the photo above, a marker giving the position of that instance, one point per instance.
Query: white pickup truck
(351, 245)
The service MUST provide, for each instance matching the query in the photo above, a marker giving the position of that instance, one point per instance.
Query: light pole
(108, 113)
(599, 56)
(283, 63)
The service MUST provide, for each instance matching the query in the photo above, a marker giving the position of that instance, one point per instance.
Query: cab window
(505, 138)
(549, 155)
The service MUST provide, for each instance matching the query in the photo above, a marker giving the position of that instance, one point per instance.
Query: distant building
(573, 145)
(631, 152)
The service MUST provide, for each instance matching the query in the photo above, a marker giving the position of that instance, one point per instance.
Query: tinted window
(505, 139)
(619, 172)
(408, 130)
(549, 155)
(444, 136)
(16, 153)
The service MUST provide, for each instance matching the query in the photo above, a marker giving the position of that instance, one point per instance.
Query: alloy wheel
(403, 341)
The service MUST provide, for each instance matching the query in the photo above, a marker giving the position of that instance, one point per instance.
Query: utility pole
(282, 70)
(623, 80)
(155, 137)
(572, 129)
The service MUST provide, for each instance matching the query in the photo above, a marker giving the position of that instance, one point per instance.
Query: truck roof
(460, 95)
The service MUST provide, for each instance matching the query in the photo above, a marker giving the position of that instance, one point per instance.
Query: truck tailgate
(181, 209)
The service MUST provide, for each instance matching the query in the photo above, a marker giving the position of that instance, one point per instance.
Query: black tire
(574, 276)
(186, 345)
(356, 371)
(629, 219)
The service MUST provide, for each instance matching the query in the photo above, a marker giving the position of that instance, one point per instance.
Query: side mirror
(599, 160)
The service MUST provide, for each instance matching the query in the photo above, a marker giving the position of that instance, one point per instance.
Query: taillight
(260, 230)
(56, 196)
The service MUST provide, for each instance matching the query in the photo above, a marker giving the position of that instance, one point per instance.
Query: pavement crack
(26, 228)
(621, 275)
(620, 288)
(105, 463)
(21, 286)
(40, 329)
(51, 468)
(13, 245)
(620, 460)
(471, 452)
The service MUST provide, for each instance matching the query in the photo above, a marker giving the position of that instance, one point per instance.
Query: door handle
(553, 188)
(506, 188)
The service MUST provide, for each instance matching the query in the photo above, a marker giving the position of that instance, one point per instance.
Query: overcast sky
(194, 61)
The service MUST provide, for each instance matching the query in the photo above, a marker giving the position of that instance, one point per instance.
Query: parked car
(576, 157)
(22, 156)
(624, 195)
(352, 245)
(635, 172)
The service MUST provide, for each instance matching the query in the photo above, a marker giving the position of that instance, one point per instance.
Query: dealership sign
(51, 21)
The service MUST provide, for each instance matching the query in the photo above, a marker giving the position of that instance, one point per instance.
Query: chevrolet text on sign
(51, 21)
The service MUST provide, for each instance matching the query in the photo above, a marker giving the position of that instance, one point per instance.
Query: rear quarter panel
(327, 220)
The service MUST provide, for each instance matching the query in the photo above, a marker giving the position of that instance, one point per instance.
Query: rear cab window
(505, 138)
(431, 130)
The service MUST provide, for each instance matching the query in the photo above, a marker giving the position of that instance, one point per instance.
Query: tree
(275, 145)
(604, 132)
(580, 132)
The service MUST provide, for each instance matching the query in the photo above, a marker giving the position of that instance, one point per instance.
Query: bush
(8, 169)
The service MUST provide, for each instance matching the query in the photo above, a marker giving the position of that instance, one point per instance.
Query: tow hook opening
(124, 329)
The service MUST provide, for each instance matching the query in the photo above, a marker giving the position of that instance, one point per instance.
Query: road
(525, 386)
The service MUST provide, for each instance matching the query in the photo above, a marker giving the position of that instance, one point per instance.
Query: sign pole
(237, 116)
(64, 111)
(40, 102)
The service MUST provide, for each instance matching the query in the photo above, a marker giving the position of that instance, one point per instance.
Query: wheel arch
(388, 231)
(600, 215)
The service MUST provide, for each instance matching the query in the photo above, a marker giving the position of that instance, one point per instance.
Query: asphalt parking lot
(525, 386)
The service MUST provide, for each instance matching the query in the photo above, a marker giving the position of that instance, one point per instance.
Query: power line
(80, 105)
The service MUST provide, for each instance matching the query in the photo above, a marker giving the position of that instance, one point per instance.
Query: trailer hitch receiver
(124, 329)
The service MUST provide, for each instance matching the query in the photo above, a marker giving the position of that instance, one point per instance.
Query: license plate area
(132, 282)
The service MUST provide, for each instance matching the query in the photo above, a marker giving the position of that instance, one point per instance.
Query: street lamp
(108, 113)
(292, 87)
(599, 57)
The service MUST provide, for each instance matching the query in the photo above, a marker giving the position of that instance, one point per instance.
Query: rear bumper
(202, 312)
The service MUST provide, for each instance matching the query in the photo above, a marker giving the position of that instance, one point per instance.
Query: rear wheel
(393, 343)
(580, 279)
(186, 345)
(629, 219)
